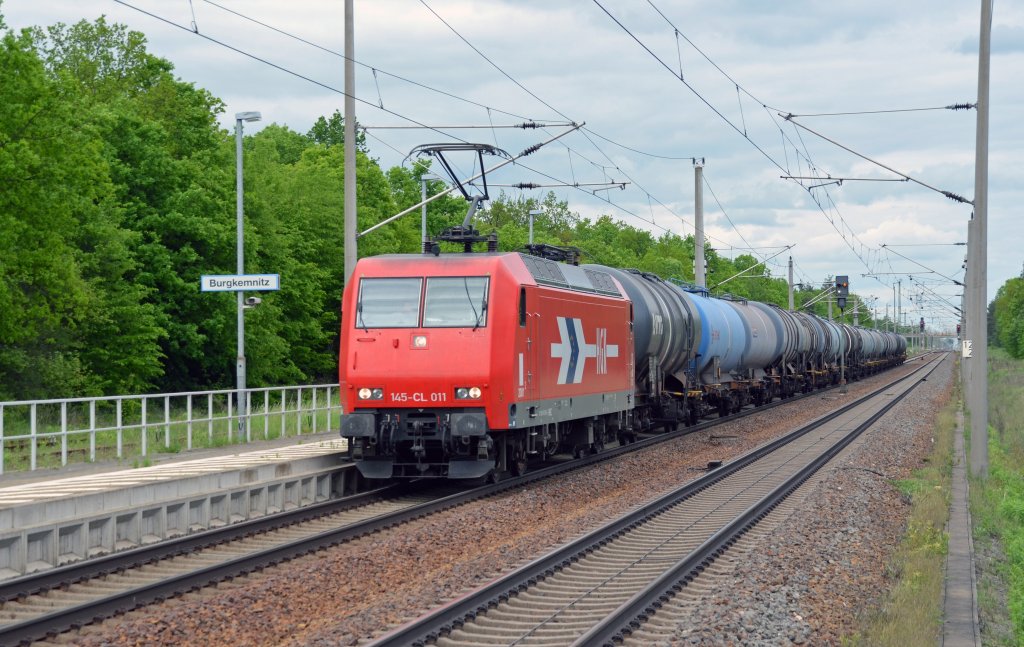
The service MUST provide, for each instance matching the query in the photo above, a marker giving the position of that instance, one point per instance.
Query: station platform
(55, 517)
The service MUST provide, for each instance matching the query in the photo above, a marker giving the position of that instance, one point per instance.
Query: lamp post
(533, 212)
(242, 400)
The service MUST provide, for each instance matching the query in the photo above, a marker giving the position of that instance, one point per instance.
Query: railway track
(48, 603)
(606, 586)
(54, 601)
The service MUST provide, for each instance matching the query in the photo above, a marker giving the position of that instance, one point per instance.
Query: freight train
(468, 365)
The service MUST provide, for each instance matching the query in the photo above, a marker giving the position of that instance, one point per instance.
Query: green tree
(1008, 310)
(330, 131)
(168, 164)
(42, 290)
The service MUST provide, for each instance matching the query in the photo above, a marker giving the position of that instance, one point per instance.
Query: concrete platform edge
(960, 626)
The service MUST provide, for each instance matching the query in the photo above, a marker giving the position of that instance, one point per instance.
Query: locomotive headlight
(468, 393)
(419, 341)
(461, 393)
(378, 394)
(474, 392)
(371, 394)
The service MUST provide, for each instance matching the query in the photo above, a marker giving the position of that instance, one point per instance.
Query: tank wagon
(461, 365)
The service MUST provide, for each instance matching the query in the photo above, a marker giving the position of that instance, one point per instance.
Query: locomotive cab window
(389, 303)
(456, 301)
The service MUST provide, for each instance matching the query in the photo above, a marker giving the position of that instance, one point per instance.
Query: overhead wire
(286, 70)
(361, 64)
(450, 95)
(493, 64)
(704, 177)
(424, 86)
(453, 96)
(637, 151)
(488, 108)
(948, 194)
(508, 76)
(764, 105)
(925, 267)
(958, 106)
(599, 197)
(704, 100)
(571, 185)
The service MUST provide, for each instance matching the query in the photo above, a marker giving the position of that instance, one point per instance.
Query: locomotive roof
(542, 270)
(570, 277)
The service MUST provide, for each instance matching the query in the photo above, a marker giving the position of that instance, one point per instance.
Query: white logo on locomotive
(573, 350)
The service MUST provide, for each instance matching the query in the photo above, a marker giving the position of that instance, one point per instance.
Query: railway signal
(842, 291)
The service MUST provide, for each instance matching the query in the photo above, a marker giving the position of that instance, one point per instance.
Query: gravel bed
(816, 574)
(825, 566)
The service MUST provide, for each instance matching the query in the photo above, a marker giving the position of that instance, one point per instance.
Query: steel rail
(443, 620)
(36, 583)
(636, 611)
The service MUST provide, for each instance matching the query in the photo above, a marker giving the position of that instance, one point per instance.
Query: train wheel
(518, 466)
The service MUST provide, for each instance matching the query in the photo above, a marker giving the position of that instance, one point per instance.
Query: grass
(997, 507)
(911, 615)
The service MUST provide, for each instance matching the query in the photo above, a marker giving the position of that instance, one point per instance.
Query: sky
(750, 88)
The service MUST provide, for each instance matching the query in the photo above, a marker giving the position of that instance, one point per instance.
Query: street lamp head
(248, 116)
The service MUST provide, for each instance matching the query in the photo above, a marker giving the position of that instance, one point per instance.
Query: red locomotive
(457, 365)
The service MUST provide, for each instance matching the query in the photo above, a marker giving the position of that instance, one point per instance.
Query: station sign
(240, 282)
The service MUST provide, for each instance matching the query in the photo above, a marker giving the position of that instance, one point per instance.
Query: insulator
(955, 197)
(962, 106)
(530, 150)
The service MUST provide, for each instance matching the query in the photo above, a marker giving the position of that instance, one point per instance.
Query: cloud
(1005, 39)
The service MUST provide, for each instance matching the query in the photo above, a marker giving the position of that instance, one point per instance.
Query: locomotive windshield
(450, 302)
(456, 301)
(389, 303)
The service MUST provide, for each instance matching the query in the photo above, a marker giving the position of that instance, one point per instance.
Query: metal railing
(38, 434)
